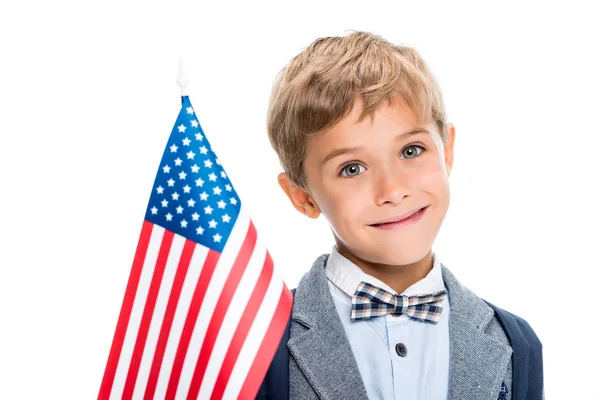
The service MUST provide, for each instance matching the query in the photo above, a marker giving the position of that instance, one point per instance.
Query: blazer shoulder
(514, 321)
(528, 364)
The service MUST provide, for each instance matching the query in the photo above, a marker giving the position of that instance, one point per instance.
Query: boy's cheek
(433, 179)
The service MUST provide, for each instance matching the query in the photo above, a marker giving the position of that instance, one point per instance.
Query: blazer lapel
(318, 342)
(478, 362)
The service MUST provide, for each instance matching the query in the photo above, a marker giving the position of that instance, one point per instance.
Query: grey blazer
(323, 367)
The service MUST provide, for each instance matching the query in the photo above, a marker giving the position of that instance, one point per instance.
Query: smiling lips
(407, 218)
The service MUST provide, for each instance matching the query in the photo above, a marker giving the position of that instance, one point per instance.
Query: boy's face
(362, 174)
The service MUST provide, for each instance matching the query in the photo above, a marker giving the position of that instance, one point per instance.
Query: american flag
(204, 310)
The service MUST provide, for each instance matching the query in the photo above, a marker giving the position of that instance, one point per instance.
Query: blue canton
(192, 195)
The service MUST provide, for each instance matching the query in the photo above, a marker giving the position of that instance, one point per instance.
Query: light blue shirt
(423, 372)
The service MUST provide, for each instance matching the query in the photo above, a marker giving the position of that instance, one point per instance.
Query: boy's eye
(411, 152)
(352, 169)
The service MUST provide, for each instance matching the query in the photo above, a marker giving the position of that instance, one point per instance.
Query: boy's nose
(391, 187)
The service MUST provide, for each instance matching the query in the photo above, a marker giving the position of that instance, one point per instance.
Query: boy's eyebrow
(338, 152)
(344, 150)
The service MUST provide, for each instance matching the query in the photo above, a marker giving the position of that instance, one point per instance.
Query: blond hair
(319, 86)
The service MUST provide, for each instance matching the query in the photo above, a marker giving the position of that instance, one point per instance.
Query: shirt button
(401, 349)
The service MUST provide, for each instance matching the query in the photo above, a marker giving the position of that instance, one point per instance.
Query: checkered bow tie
(370, 301)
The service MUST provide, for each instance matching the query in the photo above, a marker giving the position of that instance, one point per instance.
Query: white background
(88, 98)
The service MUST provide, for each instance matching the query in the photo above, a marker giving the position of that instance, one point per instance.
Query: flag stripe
(184, 262)
(241, 332)
(158, 314)
(132, 285)
(139, 303)
(203, 281)
(183, 306)
(254, 338)
(232, 319)
(211, 296)
(268, 347)
(225, 297)
(147, 315)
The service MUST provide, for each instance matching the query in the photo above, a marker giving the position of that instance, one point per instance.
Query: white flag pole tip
(183, 80)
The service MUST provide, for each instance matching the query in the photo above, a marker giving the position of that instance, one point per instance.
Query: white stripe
(137, 311)
(158, 315)
(254, 338)
(185, 298)
(232, 319)
(215, 287)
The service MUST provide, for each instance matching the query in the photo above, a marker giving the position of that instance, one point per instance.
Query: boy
(360, 128)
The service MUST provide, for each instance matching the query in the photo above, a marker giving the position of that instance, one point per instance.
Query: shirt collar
(346, 275)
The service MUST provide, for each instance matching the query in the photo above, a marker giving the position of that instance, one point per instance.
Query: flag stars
(211, 204)
(205, 211)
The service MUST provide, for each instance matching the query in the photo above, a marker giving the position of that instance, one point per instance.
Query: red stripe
(182, 268)
(132, 284)
(243, 328)
(268, 347)
(140, 342)
(235, 275)
(190, 321)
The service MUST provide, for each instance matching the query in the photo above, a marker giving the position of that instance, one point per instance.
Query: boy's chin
(393, 256)
(404, 259)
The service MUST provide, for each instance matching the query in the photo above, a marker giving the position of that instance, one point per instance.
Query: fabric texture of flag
(204, 309)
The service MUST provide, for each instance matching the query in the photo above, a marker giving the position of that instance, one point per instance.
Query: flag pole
(183, 80)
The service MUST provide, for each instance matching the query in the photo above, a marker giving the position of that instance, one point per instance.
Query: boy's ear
(449, 148)
(301, 200)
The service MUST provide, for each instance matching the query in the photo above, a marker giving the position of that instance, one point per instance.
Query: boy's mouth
(401, 220)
